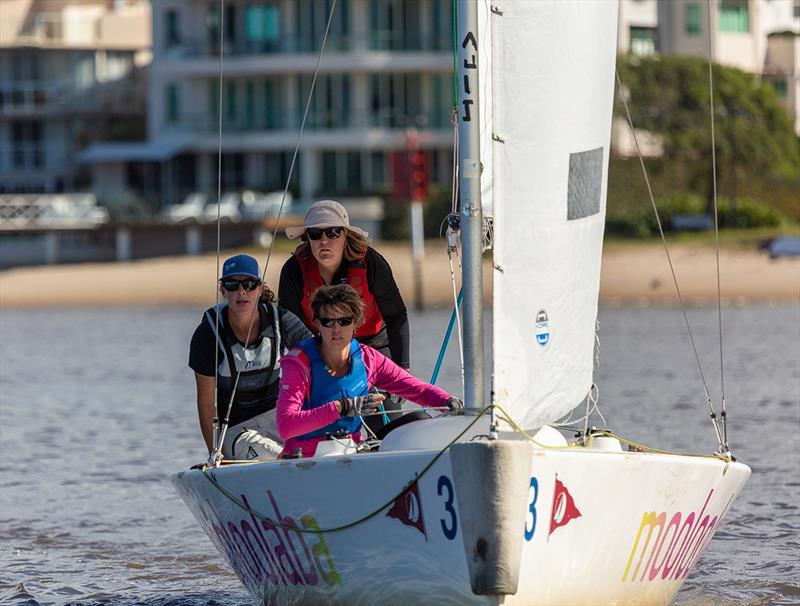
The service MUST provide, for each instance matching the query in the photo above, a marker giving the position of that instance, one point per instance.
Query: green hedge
(745, 213)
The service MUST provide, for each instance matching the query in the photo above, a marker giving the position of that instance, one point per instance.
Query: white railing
(27, 211)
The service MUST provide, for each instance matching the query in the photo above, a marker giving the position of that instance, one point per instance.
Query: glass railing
(242, 47)
(317, 121)
(22, 97)
(31, 156)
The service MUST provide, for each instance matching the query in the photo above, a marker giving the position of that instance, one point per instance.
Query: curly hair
(267, 296)
(339, 295)
(355, 246)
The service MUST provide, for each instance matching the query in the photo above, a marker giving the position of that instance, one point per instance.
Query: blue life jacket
(326, 388)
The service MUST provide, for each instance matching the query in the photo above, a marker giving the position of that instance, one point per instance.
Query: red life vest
(356, 277)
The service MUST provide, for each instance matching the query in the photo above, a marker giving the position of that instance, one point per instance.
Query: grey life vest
(257, 366)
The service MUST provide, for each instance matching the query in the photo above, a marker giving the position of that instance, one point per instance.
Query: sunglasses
(315, 233)
(233, 285)
(329, 322)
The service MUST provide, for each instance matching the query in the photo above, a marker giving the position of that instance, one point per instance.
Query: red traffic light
(419, 176)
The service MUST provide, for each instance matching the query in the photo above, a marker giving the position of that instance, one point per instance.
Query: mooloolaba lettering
(259, 550)
(677, 544)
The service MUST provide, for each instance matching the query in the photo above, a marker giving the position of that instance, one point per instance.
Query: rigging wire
(217, 455)
(723, 414)
(712, 412)
(216, 444)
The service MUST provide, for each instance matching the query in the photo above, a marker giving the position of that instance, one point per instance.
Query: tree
(754, 134)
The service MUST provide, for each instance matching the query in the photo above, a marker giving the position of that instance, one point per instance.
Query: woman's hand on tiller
(355, 407)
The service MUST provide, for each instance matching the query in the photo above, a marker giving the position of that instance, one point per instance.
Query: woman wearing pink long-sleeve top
(326, 380)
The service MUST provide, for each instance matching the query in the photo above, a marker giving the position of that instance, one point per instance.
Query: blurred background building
(70, 73)
(387, 67)
(761, 37)
(118, 102)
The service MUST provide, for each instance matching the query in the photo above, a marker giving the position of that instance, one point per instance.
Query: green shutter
(693, 27)
(173, 103)
(734, 17)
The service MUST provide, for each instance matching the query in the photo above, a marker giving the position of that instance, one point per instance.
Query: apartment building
(387, 68)
(758, 36)
(638, 27)
(70, 73)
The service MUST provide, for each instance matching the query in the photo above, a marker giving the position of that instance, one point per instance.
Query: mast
(470, 199)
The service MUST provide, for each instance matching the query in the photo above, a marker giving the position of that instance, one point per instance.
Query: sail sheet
(552, 79)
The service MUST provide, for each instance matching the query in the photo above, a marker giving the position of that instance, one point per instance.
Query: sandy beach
(633, 274)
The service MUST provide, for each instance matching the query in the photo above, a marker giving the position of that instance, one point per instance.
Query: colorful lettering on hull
(678, 544)
(262, 552)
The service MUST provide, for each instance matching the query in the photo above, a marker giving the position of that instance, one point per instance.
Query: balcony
(32, 98)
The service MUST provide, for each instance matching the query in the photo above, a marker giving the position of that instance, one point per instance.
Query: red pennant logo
(564, 509)
(408, 509)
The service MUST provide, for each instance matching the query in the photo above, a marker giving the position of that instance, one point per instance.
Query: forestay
(552, 77)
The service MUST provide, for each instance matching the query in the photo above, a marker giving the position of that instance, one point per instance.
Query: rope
(446, 340)
(208, 471)
(723, 414)
(713, 413)
(209, 475)
(455, 56)
(217, 453)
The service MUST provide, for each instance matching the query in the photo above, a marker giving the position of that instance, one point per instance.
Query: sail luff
(470, 194)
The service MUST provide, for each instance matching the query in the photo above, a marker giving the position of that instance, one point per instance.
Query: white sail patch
(585, 184)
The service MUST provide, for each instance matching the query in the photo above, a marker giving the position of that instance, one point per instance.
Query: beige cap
(325, 213)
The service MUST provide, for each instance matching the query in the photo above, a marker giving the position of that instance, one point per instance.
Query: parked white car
(191, 208)
(257, 205)
(229, 208)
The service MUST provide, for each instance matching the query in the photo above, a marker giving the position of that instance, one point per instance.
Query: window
(273, 109)
(311, 17)
(230, 102)
(396, 25)
(734, 17)
(232, 170)
(212, 26)
(276, 171)
(173, 104)
(781, 88)
(27, 146)
(341, 173)
(693, 19)
(249, 104)
(643, 41)
(441, 28)
(172, 29)
(396, 101)
(329, 104)
(262, 28)
(213, 103)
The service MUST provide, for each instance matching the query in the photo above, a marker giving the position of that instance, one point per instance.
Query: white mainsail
(552, 83)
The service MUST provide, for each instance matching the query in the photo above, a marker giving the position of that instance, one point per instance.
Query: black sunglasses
(315, 233)
(329, 322)
(232, 285)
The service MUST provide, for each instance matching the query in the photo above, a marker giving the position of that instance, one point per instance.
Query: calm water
(97, 411)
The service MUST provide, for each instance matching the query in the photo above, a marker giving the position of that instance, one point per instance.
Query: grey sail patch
(585, 183)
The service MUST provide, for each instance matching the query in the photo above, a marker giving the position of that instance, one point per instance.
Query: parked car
(228, 208)
(258, 205)
(191, 208)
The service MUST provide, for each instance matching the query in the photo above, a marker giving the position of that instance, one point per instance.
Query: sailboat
(494, 506)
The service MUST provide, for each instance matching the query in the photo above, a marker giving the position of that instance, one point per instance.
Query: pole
(470, 194)
(416, 183)
(418, 251)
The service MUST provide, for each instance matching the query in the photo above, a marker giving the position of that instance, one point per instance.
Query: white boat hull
(622, 527)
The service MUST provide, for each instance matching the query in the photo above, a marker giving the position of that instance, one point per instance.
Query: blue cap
(240, 265)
